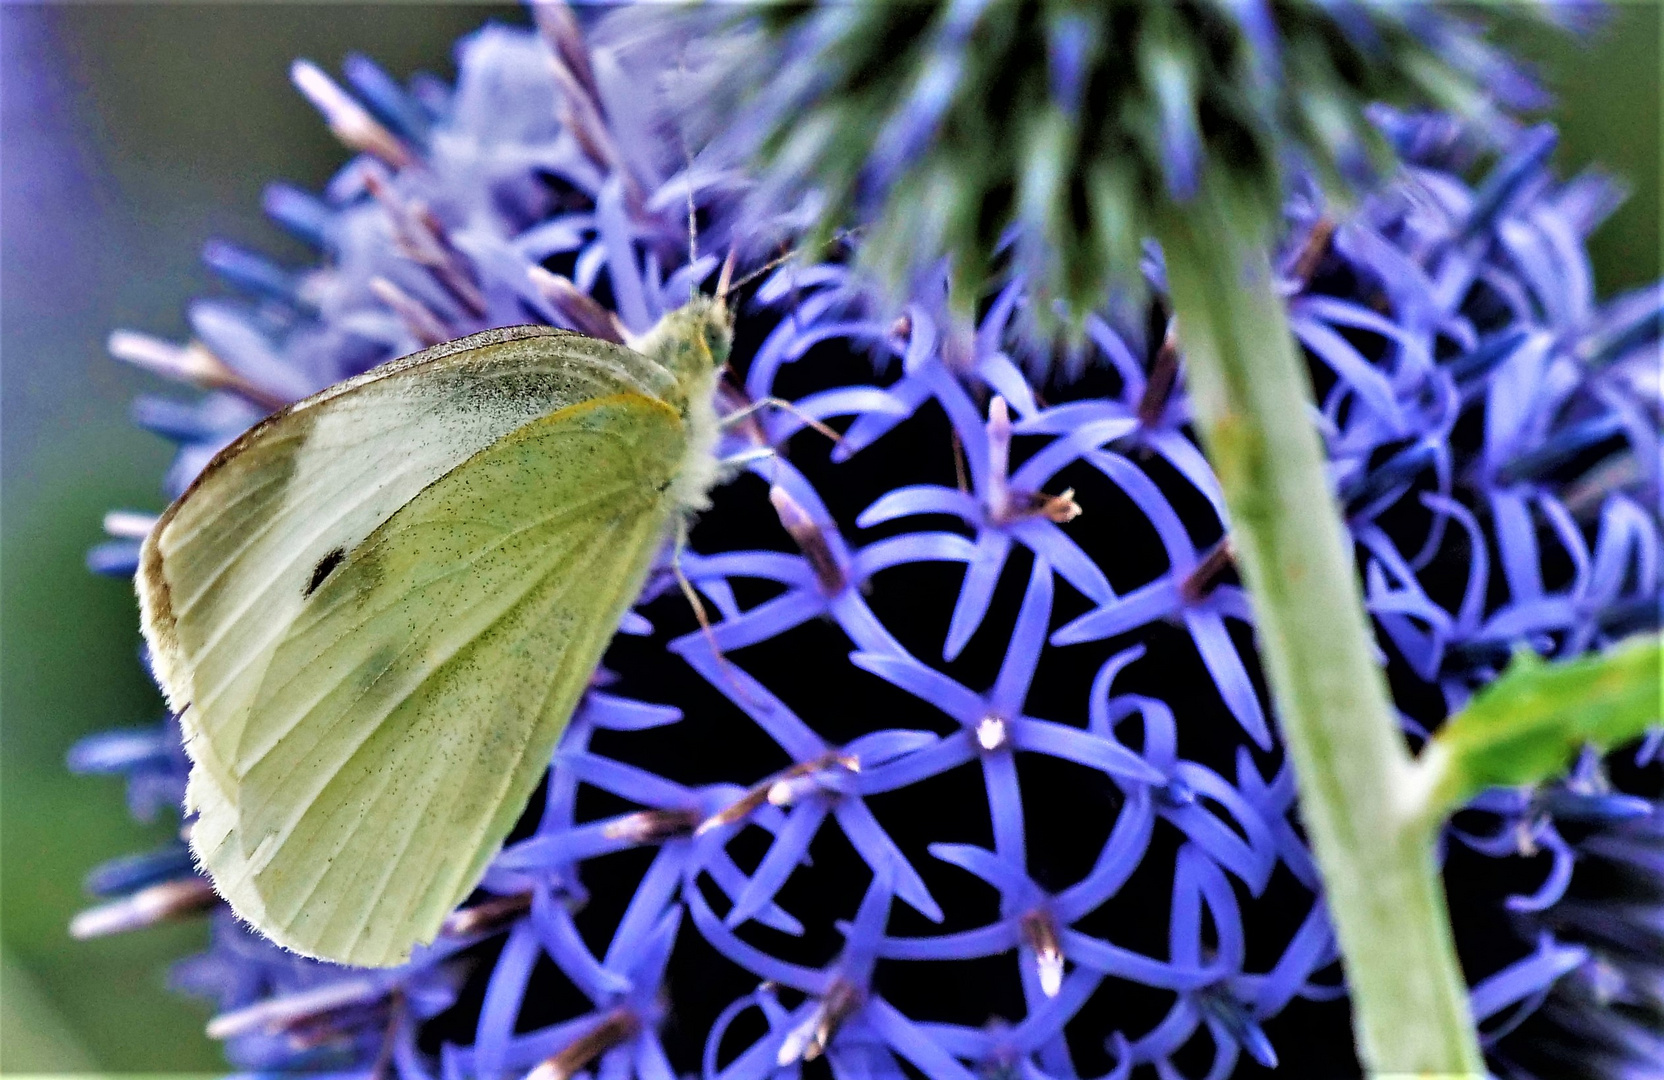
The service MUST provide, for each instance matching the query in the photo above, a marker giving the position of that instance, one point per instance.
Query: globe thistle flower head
(938, 128)
(972, 770)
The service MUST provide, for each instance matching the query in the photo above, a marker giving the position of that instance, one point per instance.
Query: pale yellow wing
(228, 566)
(231, 564)
(412, 705)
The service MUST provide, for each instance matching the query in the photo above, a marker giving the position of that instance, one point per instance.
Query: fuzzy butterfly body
(377, 609)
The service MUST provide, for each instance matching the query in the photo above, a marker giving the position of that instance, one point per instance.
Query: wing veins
(369, 469)
(347, 673)
(506, 776)
(261, 532)
(619, 376)
(348, 834)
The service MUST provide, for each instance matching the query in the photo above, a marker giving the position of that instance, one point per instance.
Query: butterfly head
(712, 324)
(692, 342)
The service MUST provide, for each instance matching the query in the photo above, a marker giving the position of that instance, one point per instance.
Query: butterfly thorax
(692, 343)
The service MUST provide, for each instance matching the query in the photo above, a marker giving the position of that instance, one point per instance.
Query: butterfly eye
(325, 567)
(718, 340)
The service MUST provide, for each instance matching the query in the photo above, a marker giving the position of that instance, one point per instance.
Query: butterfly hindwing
(410, 710)
(254, 549)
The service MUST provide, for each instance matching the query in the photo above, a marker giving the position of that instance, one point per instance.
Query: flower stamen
(292, 1011)
(422, 238)
(805, 780)
(1205, 575)
(992, 733)
(418, 318)
(617, 1028)
(158, 903)
(1164, 376)
(781, 789)
(809, 1040)
(582, 310)
(1006, 506)
(347, 119)
(1060, 509)
(811, 540)
(487, 916)
(1312, 251)
(1040, 934)
(192, 363)
(651, 826)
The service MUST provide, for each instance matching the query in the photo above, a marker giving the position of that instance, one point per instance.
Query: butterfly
(377, 609)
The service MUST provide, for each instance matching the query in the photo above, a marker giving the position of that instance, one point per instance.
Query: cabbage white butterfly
(377, 609)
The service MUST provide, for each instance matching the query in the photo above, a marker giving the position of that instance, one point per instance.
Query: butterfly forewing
(407, 716)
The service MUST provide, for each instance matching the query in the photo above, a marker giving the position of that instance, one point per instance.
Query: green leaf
(1527, 726)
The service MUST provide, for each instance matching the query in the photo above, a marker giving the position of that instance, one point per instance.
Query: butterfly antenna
(693, 217)
(765, 268)
(787, 256)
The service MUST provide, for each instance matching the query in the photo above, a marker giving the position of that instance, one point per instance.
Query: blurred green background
(128, 136)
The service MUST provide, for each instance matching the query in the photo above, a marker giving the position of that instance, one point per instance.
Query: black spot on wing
(325, 567)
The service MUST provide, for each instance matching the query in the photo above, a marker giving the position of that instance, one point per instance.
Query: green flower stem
(1253, 402)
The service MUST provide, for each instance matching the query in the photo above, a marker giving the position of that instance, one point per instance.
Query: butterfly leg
(689, 591)
(784, 406)
(382, 1068)
(701, 614)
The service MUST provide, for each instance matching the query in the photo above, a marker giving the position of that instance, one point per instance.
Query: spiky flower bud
(941, 126)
